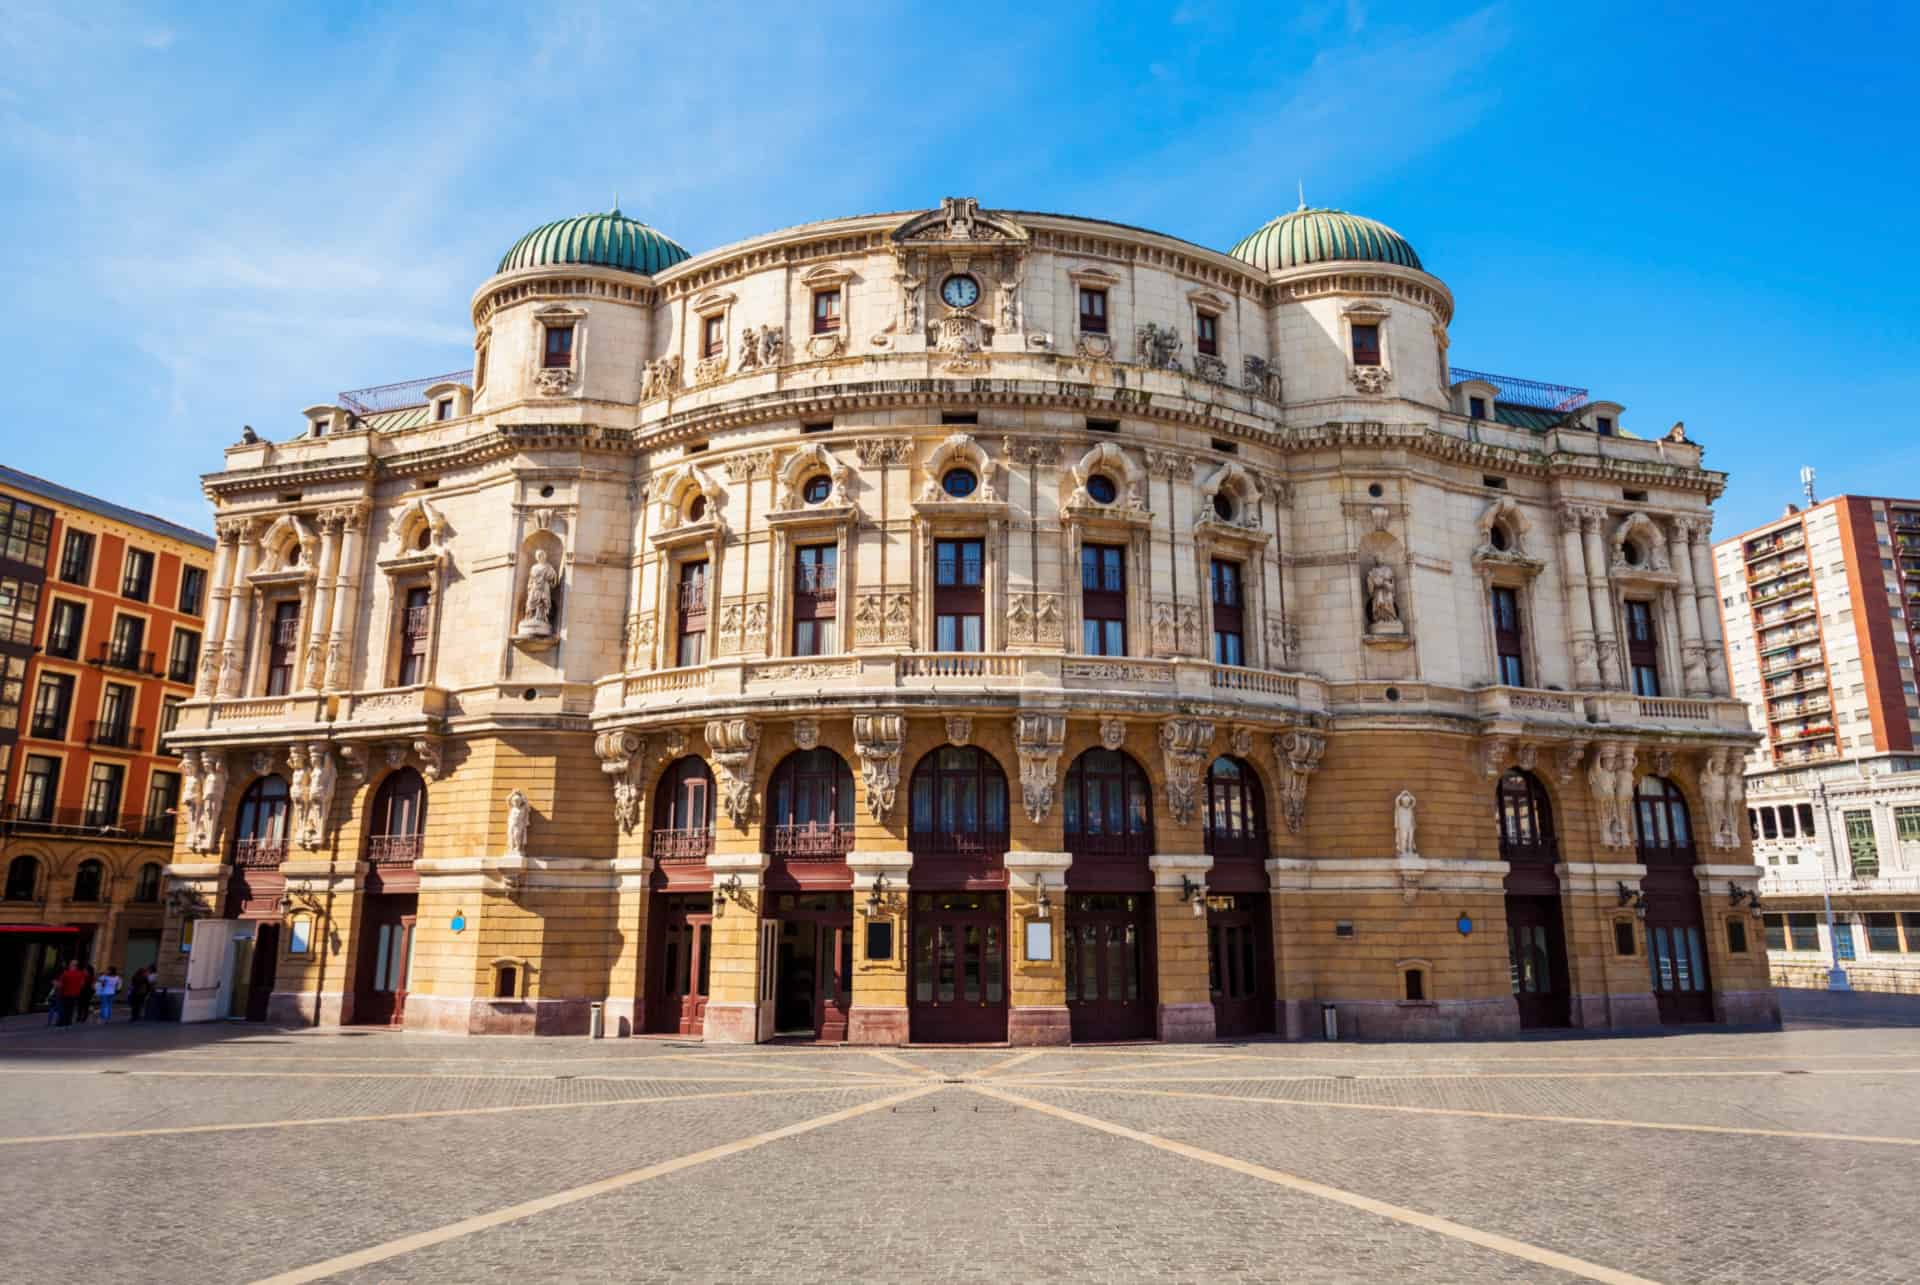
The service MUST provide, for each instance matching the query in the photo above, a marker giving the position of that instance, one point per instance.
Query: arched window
(23, 876)
(1526, 819)
(87, 880)
(260, 827)
(683, 808)
(397, 819)
(810, 806)
(958, 804)
(1108, 806)
(1236, 817)
(146, 885)
(1663, 832)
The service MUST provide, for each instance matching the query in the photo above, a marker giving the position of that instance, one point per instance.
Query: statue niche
(538, 600)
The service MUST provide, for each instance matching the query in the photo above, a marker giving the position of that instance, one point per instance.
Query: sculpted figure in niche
(1382, 609)
(519, 815)
(1403, 803)
(536, 621)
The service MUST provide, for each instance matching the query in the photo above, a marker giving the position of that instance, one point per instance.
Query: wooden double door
(1537, 960)
(386, 959)
(1109, 954)
(957, 982)
(813, 965)
(682, 961)
(1676, 945)
(1240, 964)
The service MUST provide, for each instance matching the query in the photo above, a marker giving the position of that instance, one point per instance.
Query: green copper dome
(610, 240)
(1323, 236)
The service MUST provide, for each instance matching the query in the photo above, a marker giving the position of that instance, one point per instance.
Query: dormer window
(320, 427)
(826, 311)
(559, 352)
(1206, 334)
(1366, 343)
(1476, 408)
(713, 335)
(443, 409)
(1093, 311)
(1603, 425)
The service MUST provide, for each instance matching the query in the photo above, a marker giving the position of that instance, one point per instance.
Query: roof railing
(1562, 398)
(387, 397)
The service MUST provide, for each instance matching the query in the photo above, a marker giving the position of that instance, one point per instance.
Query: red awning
(38, 928)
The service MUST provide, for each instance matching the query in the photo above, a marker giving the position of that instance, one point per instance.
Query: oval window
(1223, 506)
(959, 483)
(1102, 489)
(817, 489)
(1497, 537)
(697, 509)
(1631, 552)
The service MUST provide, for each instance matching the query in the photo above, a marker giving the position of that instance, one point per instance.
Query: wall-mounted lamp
(723, 889)
(877, 895)
(1633, 897)
(1195, 894)
(1736, 895)
(1041, 903)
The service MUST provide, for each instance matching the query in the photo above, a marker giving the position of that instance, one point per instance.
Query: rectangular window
(39, 787)
(116, 716)
(184, 657)
(1776, 932)
(283, 645)
(127, 649)
(1806, 817)
(826, 312)
(1910, 926)
(65, 629)
(559, 348)
(13, 692)
(959, 578)
(193, 590)
(1476, 408)
(1506, 637)
(1643, 654)
(170, 712)
(19, 609)
(1206, 333)
(1883, 932)
(1103, 600)
(52, 701)
(25, 531)
(1736, 936)
(443, 409)
(76, 557)
(1366, 344)
(1860, 843)
(1229, 613)
(1842, 939)
(1786, 823)
(816, 599)
(1767, 828)
(1803, 931)
(713, 335)
(103, 793)
(413, 637)
(163, 796)
(1093, 311)
(1906, 823)
(136, 582)
(691, 605)
(1603, 425)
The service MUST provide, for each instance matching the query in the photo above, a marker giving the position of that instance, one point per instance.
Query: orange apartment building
(102, 611)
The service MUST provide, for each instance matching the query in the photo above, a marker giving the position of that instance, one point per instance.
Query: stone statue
(518, 817)
(749, 348)
(1403, 804)
(213, 796)
(773, 341)
(1381, 607)
(537, 620)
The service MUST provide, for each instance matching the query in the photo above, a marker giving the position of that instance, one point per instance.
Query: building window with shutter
(1229, 614)
(1103, 600)
(283, 644)
(959, 578)
(415, 611)
(559, 348)
(1507, 647)
(691, 609)
(1643, 651)
(816, 599)
(1093, 311)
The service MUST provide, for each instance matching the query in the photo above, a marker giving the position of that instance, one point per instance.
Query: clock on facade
(960, 291)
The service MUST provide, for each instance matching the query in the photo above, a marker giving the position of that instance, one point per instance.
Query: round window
(1497, 537)
(1223, 506)
(959, 483)
(698, 509)
(1102, 489)
(1376, 490)
(425, 539)
(1631, 552)
(817, 489)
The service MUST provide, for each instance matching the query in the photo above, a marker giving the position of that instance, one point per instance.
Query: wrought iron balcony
(393, 849)
(1237, 845)
(812, 842)
(132, 659)
(259, 853)
(115, 734)
(816, 580)
(682, 847)
(944, 843)
(1110, 845)
(96, 823)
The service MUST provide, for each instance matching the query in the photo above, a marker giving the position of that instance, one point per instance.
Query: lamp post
(1836, 975)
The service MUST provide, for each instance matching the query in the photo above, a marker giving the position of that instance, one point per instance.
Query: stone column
(1586, 674)
(1693, 667)
(233, 661)
(313, 667)
(1600, 592)
(1038, 988)
(346, 600)
(1180, 944)
(1707, 599)
(733, 973)
(878, 1014)
(208, 680)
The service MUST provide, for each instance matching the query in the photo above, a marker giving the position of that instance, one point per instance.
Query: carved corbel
(622, 757)
(1039, 739)
(732, 744)
(1493, 756)
(1566, 761)
(877, 741)
(1113, 733)
(430, 753)
(1186, 745)
(315, 802)
(1297, 754)
(806, 733)
(959, 729)
(355, 757)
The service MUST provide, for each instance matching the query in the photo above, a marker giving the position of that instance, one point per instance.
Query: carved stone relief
(1297, 754)
(1186, 745)
(877, 742)
(1039, 739)
(806, 733)
(622, 758)
(959, 729)
(732, 744)
(1113, 733)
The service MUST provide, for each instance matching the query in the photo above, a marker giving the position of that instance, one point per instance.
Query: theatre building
(966, 625)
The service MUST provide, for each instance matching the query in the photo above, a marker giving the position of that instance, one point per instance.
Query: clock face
(960, 291)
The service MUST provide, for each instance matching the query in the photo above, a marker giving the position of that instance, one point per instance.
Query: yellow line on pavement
(526, 1209)
(437, 1114)
(1804, 1135)
(751, 1057)
(1353, 1200)
(1148, 1064)
(1044, 1078)
(894, 1059)
(1015, 1060)
(465, 1077)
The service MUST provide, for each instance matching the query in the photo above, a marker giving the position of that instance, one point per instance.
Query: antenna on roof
(1806, 484)
(616, 200)
(1303, 193)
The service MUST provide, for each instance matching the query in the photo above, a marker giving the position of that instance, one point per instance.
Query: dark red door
(814, 983)
(386, 959)
(1240, 964)
(1537, 960)
(677, 1003)
(1676, 945)
(266, 959)
(957, 993)
(1110, 993)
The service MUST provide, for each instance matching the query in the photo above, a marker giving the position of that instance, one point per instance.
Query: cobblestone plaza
(240, 1153)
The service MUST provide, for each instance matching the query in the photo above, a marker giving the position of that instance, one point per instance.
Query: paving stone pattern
(1550, 1144)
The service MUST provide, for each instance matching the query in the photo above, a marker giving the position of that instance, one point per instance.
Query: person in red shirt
(73, 984)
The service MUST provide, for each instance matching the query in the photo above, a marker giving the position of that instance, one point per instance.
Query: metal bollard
(1330, 1021)
(596, 1020)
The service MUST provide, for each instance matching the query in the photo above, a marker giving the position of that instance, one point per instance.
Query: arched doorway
(1108, 827)
(1536, 935)
(253, 893)
(1239, 914)
(396, 826)
(808, 835)
(957, 968)
(1676, 925)
(680, 918)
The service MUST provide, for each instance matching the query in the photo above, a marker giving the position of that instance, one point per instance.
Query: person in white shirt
(104, 989)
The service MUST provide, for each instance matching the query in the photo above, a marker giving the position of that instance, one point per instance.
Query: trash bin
(596, 1020)
(1330, 1021)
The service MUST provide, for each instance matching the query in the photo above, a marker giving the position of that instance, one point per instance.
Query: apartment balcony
(682, 847)
(1801, 755)
(1858, 884)
(1788, 636)
(1788, 664)
(1774, 593)
(1760, 550)
(393, 849)
(1799, 709)
(116, 735)
(259, 853)
(130, 660)
(90, 823)
(1819, 731)
(812, 842)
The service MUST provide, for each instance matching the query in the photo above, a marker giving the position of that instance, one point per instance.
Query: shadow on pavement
(1811, 1010)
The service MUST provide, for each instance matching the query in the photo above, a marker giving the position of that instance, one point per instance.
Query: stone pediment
(959, 221)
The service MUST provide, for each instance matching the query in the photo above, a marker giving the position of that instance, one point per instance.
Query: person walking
(86, 998)
(137, 992)
(71, 983)
(106, 988)
(54, 1005)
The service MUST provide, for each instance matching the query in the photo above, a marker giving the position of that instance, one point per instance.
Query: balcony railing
(821, 582)
(393, 849)
(1109, 845)
(259, 853)
(1525, 392)
(945, 843)
(1237, 845)
(812, 842)
(682, 847)
(386, 397)
(115, 735)
(90, 822)
(116, 656)
(693, 595)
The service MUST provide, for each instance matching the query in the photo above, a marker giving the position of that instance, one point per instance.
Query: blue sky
(221, 215)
